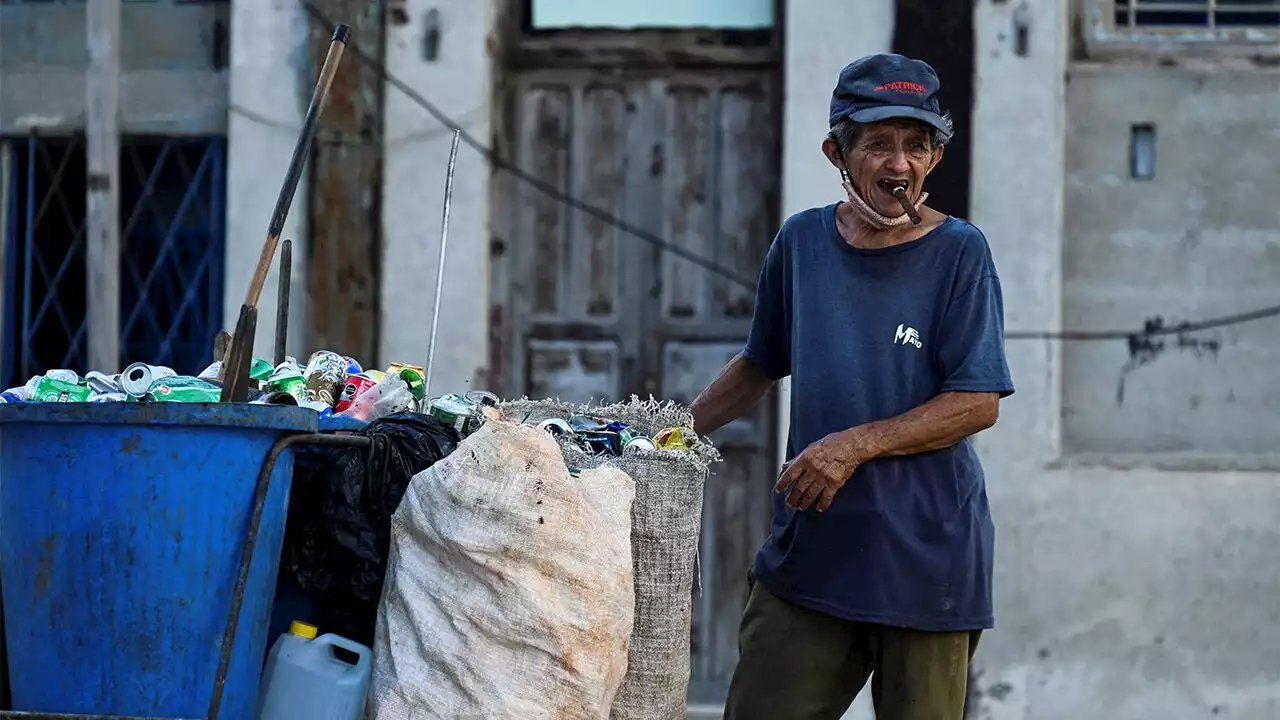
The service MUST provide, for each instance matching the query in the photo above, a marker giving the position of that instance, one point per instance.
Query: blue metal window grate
(166, 2)
(45, 327)
(172, 239)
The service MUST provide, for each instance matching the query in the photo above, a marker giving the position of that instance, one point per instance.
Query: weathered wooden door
(584, 310)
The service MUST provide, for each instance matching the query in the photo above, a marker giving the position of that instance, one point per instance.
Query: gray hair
(846, 133)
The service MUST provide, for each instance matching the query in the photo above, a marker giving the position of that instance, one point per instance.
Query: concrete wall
(417, 152)
(270, 79)
(1200, 239)
(1135, 593)
(168, 79)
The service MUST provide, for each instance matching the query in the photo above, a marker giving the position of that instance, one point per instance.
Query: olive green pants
(797, 664)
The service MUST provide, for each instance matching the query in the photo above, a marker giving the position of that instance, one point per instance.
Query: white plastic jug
(304, 678)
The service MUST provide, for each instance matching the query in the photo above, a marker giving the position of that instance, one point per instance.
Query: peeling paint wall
(458, 81)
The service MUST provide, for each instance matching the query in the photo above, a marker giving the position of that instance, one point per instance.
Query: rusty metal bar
(282, 300)
(251, 540)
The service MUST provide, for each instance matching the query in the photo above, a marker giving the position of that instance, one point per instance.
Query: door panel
(593, 313)
(572, 274)
(573, 371)
(719, 195)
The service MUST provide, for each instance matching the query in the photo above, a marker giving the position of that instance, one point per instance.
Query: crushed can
(67, 376)
(325, 377)
(290, 381)
(413, 378)
(396, 367)
(180, 388)
(483, 398)
(456, 412)
(557, 427)
(52, 390)
(101, 382)
(586, 423)
(260, 371)
(602, 442)
(212, 372)
(137, 379)
(353, 366)
(638, 442)
(355, 387)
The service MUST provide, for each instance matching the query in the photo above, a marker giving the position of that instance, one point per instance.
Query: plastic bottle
(304, 678)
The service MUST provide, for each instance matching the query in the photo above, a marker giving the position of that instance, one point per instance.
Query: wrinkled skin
(889, 153)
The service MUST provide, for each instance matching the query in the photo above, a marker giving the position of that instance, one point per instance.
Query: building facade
(1119, 160)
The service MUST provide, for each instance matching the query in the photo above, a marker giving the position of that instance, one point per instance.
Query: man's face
(890, 154)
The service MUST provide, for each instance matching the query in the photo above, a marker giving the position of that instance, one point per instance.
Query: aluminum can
(412, 378)
(584, 423)
(289, 381)
(556, 427)
(183, 389)
(52, 390)
(108, 397)
(355, 387)
(456, 412)
(639, 442)
(137, 379)
(259, 371)
(483, 397)
(603, 442)
(102, 383)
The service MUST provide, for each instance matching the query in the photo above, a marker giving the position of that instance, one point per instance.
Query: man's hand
(818, 472)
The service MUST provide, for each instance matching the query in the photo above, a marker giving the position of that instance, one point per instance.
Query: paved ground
(861, 710)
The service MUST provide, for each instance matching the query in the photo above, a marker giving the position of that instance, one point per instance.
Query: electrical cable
(1153, 328)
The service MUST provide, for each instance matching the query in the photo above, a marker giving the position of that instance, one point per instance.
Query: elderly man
(879, 559)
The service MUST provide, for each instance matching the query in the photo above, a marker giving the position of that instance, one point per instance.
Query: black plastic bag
(339, 527)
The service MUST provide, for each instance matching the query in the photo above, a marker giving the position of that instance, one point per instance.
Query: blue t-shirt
(866, 335)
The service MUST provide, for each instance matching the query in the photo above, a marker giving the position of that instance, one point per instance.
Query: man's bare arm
(735, 392)
(823, 467)
(939, 423)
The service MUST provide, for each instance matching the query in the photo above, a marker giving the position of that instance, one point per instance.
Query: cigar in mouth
(900, 192)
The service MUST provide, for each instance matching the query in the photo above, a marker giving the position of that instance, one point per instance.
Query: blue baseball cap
(885, 87)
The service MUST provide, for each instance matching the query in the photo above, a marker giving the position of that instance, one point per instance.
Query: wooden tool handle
(341, 35)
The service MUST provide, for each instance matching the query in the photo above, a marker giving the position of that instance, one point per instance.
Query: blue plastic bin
(121, 532)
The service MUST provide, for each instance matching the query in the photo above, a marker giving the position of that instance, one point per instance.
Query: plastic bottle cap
(302, 629)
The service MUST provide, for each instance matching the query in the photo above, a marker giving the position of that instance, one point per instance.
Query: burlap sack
(509, 586)
(666, 521)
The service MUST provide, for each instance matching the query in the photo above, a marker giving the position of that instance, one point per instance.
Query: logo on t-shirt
(907, 336)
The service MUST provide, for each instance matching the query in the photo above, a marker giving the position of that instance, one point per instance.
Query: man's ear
(832, 152)
(937, 157)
